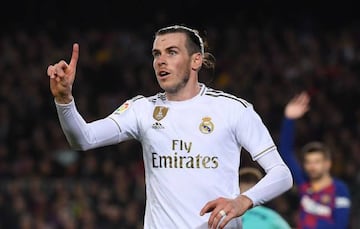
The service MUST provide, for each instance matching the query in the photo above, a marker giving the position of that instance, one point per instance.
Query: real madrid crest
(160, 112)
(206, 126)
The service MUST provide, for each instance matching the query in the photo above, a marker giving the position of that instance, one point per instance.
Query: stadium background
(265, 53)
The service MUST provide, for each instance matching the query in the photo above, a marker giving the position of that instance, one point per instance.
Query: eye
(172, 52)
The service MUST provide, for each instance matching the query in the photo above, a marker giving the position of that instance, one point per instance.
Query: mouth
(163, 74)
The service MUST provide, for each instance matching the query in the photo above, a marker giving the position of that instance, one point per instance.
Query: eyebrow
(168, 48)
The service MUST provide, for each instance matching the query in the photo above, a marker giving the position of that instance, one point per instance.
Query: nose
(160, 60)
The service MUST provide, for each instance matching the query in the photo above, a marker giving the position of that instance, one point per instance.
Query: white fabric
(342, 202)
(191, 153)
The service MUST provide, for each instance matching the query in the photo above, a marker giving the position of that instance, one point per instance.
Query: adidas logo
(157, 125)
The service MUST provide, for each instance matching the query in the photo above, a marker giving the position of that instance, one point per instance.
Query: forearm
(277, 180)
(341, 218)
(82, 135)
(286, 150)
(287, 136)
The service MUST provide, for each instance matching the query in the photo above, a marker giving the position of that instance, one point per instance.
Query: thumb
(74, 56)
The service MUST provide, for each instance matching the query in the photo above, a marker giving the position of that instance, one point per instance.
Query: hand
(62, 76)
(297, 106)
(232, 207)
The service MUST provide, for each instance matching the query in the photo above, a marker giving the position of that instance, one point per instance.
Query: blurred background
(266, 52)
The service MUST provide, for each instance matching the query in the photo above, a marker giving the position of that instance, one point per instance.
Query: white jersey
(191, 152)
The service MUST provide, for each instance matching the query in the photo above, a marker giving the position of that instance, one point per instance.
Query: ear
(196, 61)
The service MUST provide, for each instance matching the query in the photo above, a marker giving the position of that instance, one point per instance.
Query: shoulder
(137, 98)
(267, 210)
(159, 97)
(275, 217)
(225, 97)
(261, 215)
(263, 211)
(340, 185)
(134, 103)
(141, 99)
(342, 192)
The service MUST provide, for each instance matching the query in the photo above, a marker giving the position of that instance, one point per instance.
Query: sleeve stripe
(263, 152)
(115, 123)
(342, 202)
(137, 97)
(228, 96)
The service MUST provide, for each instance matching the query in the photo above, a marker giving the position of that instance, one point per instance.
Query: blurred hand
(297, 106)
(62, 76)
(232, 207)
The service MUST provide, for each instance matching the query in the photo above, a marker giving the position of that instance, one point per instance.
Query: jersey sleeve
(82, 135)
(126, 117)
(342, 206)
(286, 149)
(276, 181)
(252, 134)
(256, 139)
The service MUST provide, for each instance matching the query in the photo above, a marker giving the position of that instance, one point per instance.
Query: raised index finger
(74, 56)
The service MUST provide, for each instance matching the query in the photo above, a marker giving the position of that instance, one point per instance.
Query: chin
(315, 176)
(165, 87)
(169, 88)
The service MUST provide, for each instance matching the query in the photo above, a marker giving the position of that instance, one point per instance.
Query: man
(324, 200)
(191, 137)
(260, 216)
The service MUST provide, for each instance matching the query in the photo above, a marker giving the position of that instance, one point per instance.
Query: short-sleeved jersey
(191, 151)
(264, 218)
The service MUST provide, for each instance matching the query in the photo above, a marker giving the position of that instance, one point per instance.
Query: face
(316, 165)
(172, 63)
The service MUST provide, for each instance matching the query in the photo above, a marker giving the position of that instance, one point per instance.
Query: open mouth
(163, 73)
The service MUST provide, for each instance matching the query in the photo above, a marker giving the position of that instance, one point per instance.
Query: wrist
(64, 99)
(245, 201)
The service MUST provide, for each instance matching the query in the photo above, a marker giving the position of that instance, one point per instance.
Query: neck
(322, 182)
(189, 91)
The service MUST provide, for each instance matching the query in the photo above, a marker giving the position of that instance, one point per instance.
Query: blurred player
(324, 200)
(260, 216)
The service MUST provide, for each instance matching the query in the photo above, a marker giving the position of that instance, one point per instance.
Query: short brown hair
(317, 147)
(195, 43)
(249, 175)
